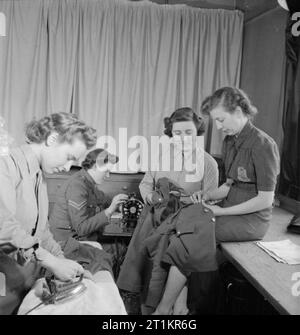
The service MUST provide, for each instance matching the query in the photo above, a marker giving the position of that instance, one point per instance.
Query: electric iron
(55, 291)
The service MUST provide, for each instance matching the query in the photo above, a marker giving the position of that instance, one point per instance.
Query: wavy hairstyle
(230, 98)
(181, 115)
(99, 157)
(66, 125)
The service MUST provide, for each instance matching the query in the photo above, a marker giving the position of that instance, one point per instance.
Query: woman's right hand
(65, 269)
(198, 196)
(153, 198)
(116, 202)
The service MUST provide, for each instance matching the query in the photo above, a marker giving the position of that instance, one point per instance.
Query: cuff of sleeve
(103, 218)
(266, 188)
(24, 241)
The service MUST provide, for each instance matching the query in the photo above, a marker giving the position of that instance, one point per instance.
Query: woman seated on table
(81, 211)
(183, 124)
(251, 160)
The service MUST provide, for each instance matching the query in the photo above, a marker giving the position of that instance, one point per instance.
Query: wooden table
(119, 234)
(271, 278)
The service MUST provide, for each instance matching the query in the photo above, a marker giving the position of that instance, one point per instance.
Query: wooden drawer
(56, 180)
(114, 184)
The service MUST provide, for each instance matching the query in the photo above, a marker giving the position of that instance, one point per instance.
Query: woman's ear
(52, 139)
(238, 112)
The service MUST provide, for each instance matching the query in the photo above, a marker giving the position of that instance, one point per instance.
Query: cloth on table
(100, 298)
(284, 251)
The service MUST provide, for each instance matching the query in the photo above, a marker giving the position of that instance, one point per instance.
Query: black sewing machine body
(131, 211)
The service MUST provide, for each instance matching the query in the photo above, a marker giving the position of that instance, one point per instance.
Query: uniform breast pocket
(244, 168)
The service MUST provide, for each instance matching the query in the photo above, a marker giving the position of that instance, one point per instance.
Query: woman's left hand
(217, 210)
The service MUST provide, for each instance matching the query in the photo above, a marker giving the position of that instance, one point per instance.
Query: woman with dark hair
(51, 142)
(184, 128)
(82, 210)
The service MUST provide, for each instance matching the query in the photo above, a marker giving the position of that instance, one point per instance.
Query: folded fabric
(284, 251)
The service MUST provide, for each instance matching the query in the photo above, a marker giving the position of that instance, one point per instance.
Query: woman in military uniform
(82, 210)
(251, 160)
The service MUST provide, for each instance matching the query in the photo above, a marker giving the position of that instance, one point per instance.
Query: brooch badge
(242, 175)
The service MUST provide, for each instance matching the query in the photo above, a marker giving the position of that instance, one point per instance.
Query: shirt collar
(31, 159)
(244, 133)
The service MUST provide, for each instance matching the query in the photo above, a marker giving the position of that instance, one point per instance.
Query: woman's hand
(116, 202)
(65, 269)
(149, 198)
(153, 198)
(198, 196)
(217, 210)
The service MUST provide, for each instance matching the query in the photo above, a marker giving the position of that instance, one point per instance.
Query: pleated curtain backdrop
(114, 63)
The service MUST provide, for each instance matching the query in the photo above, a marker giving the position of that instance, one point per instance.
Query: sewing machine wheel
(132, 209)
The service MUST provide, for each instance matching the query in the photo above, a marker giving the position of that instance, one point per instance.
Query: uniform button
(213, 219)
(206, 210)
(178, 233)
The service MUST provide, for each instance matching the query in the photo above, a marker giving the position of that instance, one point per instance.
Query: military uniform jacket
(252, 162)
(79, 209)
(170, 233)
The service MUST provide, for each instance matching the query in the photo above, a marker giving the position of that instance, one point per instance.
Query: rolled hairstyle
(181, 115)
(99, 156)
(66, 125)
(230, 98)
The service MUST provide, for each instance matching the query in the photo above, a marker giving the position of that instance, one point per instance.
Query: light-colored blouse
(208, 182)
(24, 202)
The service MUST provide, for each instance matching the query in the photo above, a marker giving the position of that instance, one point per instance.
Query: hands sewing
(153, 198)
(116, 202)
(205, 199)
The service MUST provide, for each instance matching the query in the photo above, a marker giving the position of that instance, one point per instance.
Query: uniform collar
(240, 138)
(31, 159)
(87, 176)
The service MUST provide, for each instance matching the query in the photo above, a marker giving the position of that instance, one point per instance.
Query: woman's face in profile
(186, 132)
(229, 123)
(56, 155)
(100, 172)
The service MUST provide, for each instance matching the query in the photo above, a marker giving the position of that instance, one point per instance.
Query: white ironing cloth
(101, 297)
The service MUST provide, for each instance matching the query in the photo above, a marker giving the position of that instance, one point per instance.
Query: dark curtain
(290, 164)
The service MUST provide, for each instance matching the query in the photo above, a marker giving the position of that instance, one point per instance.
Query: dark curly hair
(99, 156)
(181, 115)
(230, 98)
(66, 125)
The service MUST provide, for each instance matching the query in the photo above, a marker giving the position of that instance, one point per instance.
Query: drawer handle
(125, 188)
